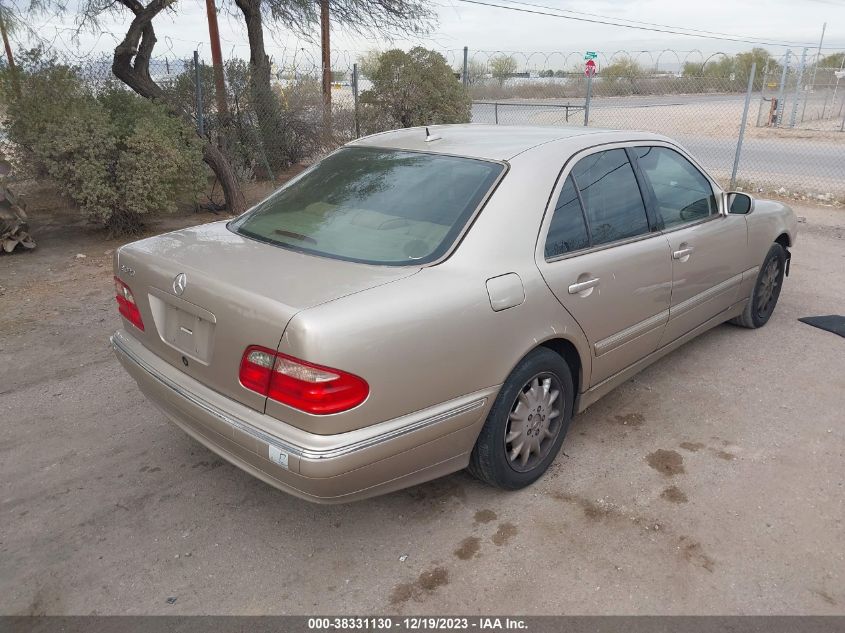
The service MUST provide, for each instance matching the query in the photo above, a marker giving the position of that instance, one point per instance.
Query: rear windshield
(376, 206)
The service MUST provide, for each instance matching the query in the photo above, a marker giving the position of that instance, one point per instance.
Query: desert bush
(413, 88)
(119, 157)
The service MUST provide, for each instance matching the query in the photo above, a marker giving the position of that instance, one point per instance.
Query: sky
(484, 29)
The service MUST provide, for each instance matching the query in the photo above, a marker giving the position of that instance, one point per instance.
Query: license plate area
(188, 333)
(184, 326)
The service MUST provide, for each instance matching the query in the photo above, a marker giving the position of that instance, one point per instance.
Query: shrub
(413, 88)
(119, 157)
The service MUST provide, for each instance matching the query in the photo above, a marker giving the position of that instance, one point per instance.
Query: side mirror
(740, 203)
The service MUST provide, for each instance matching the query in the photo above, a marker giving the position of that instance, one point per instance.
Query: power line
(665, 26)
(627, 26)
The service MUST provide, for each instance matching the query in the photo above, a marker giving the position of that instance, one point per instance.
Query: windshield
(376, 206)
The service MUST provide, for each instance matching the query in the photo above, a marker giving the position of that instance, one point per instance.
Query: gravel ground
(711, 483)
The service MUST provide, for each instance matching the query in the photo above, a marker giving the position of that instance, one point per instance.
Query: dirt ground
(713, 482)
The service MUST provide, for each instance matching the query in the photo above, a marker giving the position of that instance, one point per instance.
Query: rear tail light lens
(256, 367)
(300, 384)
(126, 304)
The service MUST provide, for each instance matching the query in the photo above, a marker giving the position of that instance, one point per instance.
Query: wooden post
(217, 63)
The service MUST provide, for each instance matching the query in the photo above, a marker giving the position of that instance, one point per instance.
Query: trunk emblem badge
(180, 282)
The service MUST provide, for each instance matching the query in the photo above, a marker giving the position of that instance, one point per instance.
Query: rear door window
(567, 231)
(683, 194)
(612, 200)
(375, 206)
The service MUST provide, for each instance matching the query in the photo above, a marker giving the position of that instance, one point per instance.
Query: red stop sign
(590, 69)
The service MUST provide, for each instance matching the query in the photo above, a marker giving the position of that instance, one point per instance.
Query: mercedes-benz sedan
(427, 300)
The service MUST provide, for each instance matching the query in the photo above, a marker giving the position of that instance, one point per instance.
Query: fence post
(355, 98)
(198, 89)
(798, 81)
(742, 124)
(588, 99)
(842, 127)
(782, 88)
(464, 75)
(496, 112)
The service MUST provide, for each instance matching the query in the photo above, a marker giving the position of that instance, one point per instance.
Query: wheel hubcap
(534, 422)
(767, 289)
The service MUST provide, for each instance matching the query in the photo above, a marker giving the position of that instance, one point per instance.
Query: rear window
(376, 206)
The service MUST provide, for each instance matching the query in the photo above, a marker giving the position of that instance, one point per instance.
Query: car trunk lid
(205, 294)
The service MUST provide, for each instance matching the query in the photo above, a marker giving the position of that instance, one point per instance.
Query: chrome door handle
(574, 289)
(683, 252)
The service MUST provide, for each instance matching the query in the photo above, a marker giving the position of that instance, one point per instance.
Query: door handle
(574, 289)
(680, 254)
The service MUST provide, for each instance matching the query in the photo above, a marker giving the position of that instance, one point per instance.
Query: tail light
(300, 384)
(126, 304)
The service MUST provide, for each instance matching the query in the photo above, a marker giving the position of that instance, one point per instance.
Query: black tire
(489, 461)
(764, 298)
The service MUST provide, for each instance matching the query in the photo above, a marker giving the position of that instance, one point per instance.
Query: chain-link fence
(793, 142)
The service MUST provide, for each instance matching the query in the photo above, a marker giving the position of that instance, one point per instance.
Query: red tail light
(300, 384)
(126, 304)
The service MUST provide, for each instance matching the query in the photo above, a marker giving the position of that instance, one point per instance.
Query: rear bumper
(322, 468)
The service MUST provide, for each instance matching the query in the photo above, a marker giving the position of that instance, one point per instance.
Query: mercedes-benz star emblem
(180, 283)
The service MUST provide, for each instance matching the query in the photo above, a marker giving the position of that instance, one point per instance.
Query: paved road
(710, 483)
(797, 163)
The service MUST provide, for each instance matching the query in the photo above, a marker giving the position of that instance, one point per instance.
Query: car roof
(494, 142)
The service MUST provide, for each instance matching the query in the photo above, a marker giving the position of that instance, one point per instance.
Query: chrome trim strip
(620, 338)
(272, 440)
(701, 297)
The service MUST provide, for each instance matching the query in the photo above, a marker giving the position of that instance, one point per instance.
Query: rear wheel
(764, 296)
(527, 423)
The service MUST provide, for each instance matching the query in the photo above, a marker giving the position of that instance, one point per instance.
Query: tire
(764, 295)
(504, 464)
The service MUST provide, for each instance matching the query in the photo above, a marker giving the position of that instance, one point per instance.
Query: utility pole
(818, 55)
(327, 60)
(815, 68)
(217, 63)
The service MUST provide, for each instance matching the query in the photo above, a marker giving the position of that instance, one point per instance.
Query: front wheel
(527, 423)
(764, 296)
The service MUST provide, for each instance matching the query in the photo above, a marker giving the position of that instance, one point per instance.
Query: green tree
(623, 68)
(765, 64)
(502, 67)
(413, 88)
(738, 67)
(832, 61)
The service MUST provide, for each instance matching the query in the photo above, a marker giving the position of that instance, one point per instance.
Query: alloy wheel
(534, 422)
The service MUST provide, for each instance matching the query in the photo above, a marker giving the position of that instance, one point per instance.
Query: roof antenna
(429, 137)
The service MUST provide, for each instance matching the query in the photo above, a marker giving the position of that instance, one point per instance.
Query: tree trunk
(264, 102)
(10, 59)
(131, 64)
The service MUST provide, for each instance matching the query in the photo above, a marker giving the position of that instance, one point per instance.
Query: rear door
(708, 248)
(605, 263)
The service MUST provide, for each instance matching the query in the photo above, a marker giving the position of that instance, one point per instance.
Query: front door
(604, 262)
(708, 248)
